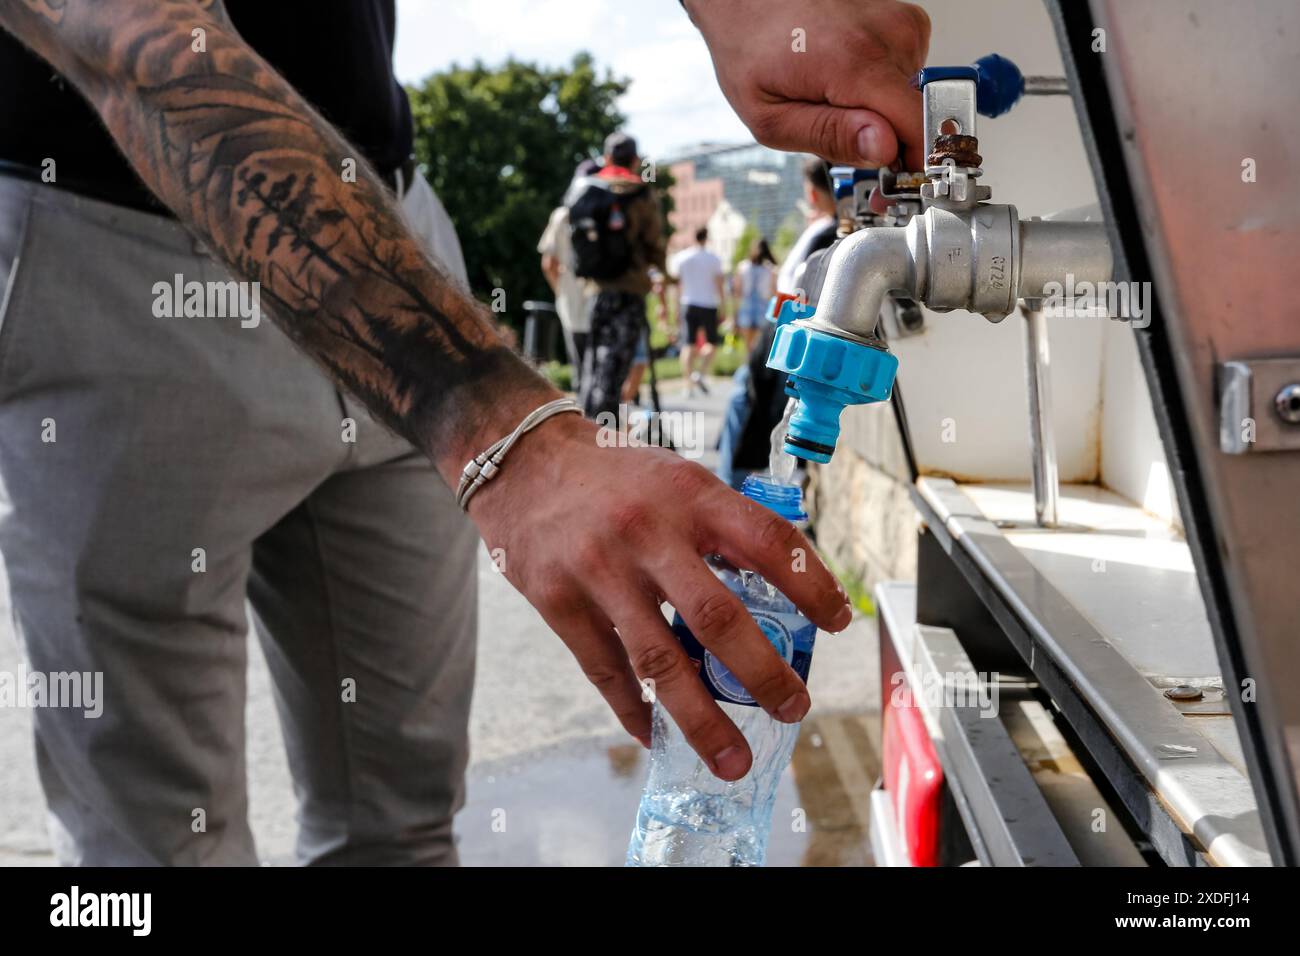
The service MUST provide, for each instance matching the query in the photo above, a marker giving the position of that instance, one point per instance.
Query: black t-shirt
(336, 53)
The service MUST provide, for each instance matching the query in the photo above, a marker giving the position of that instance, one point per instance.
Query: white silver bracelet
(485, 466)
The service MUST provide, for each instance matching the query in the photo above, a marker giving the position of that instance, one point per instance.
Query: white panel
(1132, 459)
(963, 382)
(964, 368)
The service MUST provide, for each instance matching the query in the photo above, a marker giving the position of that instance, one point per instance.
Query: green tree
(787, 234)
(500, 145)
(747, 237)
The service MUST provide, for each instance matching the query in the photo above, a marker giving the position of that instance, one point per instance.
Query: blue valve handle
(844, 178)
(999, 84)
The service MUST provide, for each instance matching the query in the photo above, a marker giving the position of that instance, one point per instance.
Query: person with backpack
(556, 250)
(617, 238)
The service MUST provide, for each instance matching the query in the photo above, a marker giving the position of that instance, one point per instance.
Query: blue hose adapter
(826, 372)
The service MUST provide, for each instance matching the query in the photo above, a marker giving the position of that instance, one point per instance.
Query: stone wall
(861, 511)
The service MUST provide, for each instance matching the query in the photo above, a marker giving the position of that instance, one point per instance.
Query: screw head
(1184, 692)
(1287, 402)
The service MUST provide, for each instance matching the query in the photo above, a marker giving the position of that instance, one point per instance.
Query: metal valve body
(958, 252)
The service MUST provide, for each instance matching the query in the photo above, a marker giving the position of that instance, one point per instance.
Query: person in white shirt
(820, 229)
(700, 299)
(571, 300)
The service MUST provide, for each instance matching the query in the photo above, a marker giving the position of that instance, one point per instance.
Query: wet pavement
(574, 806)
(553, 780)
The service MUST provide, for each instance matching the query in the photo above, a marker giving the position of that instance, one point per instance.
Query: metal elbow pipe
(982, 260)
(865, 267)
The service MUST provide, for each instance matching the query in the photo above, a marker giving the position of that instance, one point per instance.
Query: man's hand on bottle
(597, 538)
(829, 77)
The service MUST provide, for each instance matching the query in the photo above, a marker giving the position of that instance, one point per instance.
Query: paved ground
(548, 758)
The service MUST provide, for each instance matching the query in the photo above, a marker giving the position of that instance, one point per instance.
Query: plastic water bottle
(688, 817)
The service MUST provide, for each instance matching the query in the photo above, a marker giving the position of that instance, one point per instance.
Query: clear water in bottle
(688, 817)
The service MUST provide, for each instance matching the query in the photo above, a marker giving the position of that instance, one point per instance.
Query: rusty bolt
(962, 150)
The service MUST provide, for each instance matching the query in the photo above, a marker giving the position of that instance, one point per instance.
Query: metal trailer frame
(1216, 320)
(1152, 133)
(1002, 810)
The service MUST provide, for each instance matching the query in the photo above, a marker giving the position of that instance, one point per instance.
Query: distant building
(725, 187)
(726, 227)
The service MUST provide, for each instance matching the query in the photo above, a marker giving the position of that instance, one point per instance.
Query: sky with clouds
(674, 98)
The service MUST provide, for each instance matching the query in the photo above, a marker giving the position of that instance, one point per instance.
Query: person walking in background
(752, 286)
(758, 393)
(820, 231)
(617, 237)
(644, 349)
(699, 303)
(556, 250)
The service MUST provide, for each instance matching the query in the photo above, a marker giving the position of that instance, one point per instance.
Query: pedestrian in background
(571, 305)
(758, 393)
(614, 225)
(644, 350)
(753, 286)
(700, 298)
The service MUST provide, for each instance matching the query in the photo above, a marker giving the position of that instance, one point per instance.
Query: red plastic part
(913, 775)
(778, 300)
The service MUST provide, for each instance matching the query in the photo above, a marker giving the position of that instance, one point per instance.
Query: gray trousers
(130, 442)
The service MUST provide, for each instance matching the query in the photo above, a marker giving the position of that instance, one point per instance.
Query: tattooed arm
(245, 163)
(594, 537)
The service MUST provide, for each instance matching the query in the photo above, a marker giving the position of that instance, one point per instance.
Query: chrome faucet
(959, 251)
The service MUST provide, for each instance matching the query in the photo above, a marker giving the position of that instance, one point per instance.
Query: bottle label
(791, 634)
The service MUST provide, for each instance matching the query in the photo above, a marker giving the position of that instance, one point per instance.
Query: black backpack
(598, 231)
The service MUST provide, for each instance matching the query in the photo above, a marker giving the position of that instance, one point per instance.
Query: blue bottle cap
(785, 500)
